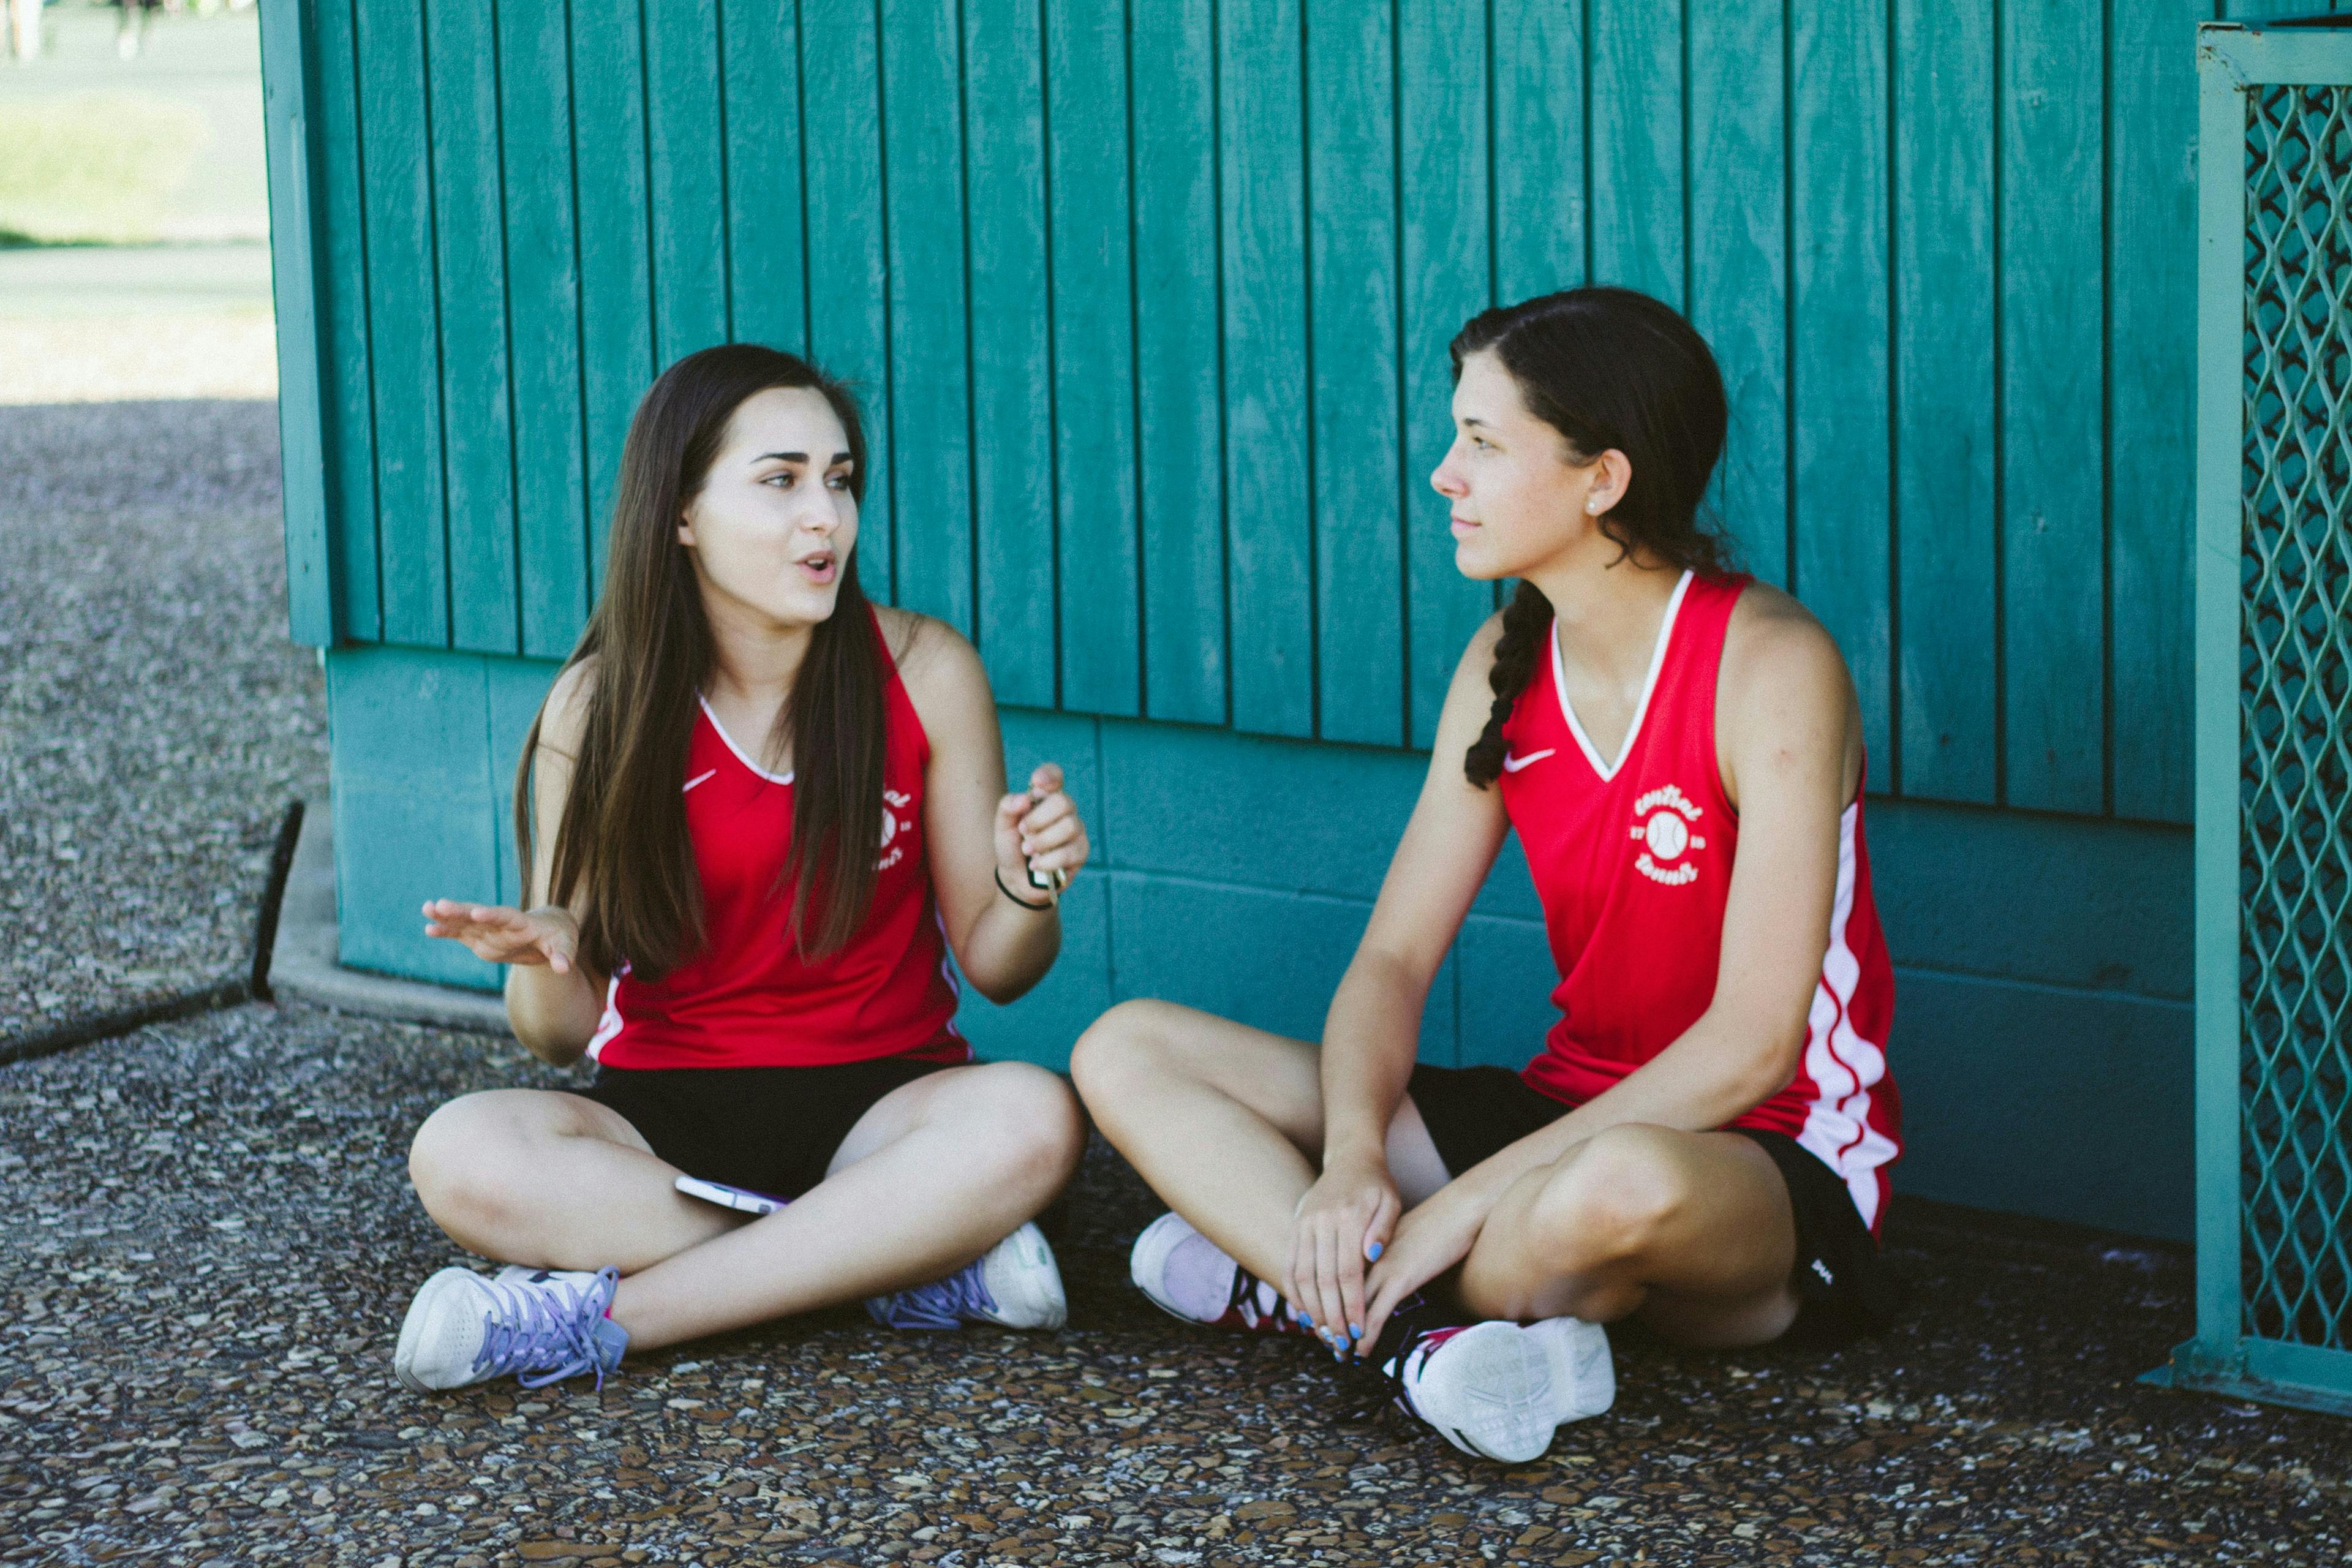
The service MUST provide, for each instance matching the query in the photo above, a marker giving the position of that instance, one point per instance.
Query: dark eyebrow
(800, 457)
(1467, 420)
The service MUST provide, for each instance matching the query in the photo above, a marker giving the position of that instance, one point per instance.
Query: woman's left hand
(1429, 1240)
(1038, 829)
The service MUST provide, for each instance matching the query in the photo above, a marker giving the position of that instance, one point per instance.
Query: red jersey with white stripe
(746, 999)
(1633, 862)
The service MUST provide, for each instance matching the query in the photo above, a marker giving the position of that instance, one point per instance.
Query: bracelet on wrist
(1050, 899)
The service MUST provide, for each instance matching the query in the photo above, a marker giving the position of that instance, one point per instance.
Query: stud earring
(1593, 506)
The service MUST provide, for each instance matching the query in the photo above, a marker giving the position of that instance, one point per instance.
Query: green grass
(93, 167)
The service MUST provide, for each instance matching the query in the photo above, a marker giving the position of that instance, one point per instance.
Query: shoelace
(946, 1303)
(544, 1331)
(1413, 1331)
(1244, 1298)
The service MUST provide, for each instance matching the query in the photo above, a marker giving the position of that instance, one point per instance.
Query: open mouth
(817, 568)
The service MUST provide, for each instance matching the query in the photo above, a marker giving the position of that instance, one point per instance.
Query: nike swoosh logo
(1513, 764)
(697, 778)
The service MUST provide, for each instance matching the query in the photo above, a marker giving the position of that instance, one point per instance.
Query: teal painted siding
(2042, 1021)
(1149, 306)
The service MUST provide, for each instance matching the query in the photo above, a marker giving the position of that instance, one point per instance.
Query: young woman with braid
(1703, 1140)
(765, 811)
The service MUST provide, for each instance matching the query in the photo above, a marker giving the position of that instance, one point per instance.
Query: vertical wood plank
(1093, 362)
(470, 238)
(848, 277)
(1441, 49)
(2151, 344)
(923, 139)
(290, 84)
(1838, 143)
(617, 307)
(1740, 252)
(342, 307)
(1944, 396)
(1180, 449)
(2052, 391)
(1540, 151)
(403, 310)
(543, 314)
(1012, 363)
(1351, 183)
(760, 104)
(1637, 146)
(686, 147)
(1269, 505)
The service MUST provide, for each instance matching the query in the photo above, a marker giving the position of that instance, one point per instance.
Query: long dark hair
(622, 840)
(1606, 368)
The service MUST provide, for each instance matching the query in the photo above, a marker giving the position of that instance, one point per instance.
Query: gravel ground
(209, 1240)
(155, 719)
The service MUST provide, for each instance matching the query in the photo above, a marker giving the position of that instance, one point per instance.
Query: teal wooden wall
(1149, 304)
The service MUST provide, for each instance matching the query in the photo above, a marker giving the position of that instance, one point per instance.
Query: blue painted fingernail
(1355, 1331)
(1303, 1318)
(1373, 1252)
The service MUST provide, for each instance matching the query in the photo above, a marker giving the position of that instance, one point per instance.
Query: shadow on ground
(209, 1240)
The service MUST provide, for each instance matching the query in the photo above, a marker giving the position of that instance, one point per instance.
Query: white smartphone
(741, 1199)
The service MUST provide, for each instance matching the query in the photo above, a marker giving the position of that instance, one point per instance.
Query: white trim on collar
(1649, 685)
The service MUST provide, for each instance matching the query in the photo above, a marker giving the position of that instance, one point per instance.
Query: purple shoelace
(545, 1331)
(946, 1303)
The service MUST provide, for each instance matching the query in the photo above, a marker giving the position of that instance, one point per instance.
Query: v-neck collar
(1608, 771)
(740, 754)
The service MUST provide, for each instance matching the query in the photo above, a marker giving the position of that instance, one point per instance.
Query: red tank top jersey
(1633, 864)
(746, 1000)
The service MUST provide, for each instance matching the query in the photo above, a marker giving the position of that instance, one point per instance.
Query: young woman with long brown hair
(1703, 1140)
(755, 814)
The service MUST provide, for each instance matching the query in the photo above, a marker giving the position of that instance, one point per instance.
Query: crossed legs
(934, 1174)
(1692, 1231)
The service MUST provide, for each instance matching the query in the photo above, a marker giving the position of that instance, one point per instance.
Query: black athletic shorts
(772, 1130)
(1843, 1288)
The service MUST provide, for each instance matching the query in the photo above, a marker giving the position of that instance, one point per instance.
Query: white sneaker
(1499, 1390)
(1188, 1276)
(542, 1325)
(1015, 1283)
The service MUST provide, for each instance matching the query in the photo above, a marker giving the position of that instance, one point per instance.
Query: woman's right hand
(501, 935)
(1341, 1225)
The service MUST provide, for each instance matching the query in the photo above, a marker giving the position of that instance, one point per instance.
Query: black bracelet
(1016, 898)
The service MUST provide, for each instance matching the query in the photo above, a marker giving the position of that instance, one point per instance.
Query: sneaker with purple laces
(543, 1325)
(1014, 1284)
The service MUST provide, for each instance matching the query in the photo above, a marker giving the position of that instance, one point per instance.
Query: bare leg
(1225, 1122)
(936, 1174)
(1692, 1230)
(553, 1181)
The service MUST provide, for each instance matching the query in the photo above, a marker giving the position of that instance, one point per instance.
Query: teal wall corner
(2042, 1042)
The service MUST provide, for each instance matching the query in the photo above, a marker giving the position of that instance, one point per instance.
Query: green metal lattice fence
(2274, 720)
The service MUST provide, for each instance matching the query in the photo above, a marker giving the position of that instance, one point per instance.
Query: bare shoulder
(937, 664)
(1775, 651)
(564, 718)
(1478, 653)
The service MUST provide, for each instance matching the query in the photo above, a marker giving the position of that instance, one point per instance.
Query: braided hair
(1607, 368)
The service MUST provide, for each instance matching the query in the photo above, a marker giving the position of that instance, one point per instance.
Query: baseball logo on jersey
(1663, 820)
(892, 826)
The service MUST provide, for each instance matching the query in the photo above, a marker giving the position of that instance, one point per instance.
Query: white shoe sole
(1500, 1391)
(1024, 1282)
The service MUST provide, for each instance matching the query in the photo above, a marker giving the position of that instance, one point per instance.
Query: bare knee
(462, 1159)
(1124, 1044)
(1613, 1198)
(1038, 1133)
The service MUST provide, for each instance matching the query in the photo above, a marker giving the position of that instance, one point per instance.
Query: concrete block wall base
(304, 958)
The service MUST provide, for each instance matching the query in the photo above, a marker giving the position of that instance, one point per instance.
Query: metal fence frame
(2226, 1357)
